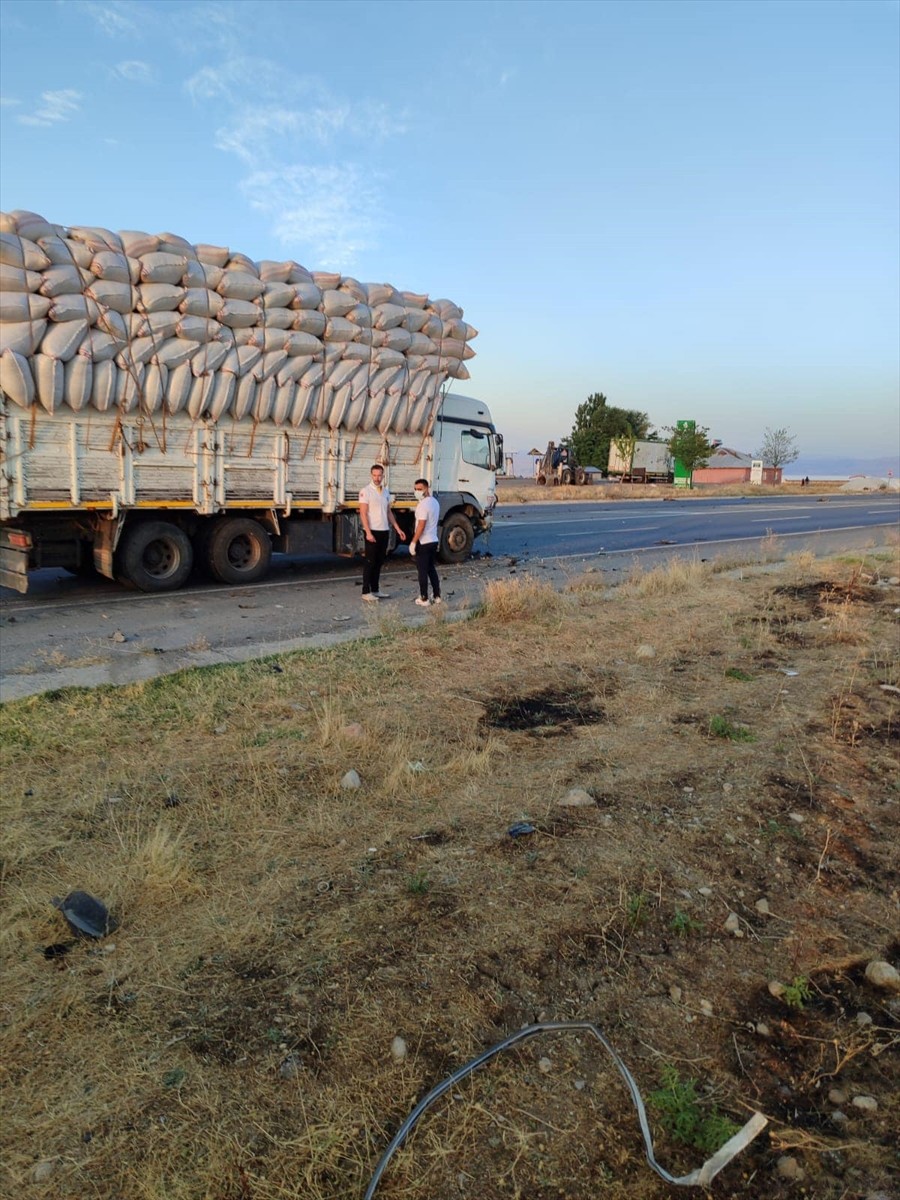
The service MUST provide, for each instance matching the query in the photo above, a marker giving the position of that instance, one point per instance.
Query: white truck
(649, 462)
(139, 438)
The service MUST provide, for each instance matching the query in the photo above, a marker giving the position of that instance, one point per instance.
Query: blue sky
(692, 207)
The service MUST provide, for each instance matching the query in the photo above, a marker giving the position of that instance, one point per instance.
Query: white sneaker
(370, 596)
(382, 595)
(437, 600)
(421, 603)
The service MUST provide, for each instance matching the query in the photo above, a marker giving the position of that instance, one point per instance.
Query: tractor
(557, 465)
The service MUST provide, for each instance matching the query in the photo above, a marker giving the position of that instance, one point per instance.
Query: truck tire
(457, 538)
(542, 480)
(238, 550)
(580, 476)
(567, 475)
(154, 556)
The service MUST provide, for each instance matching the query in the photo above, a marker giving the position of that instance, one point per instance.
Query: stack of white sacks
(148, 323)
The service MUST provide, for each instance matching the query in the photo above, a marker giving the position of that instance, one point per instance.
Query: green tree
(625, 444)
(690, 446)
(597, 423)
(778, 449)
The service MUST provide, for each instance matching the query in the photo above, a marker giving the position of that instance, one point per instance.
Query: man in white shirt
(424, 543)
(377, 519)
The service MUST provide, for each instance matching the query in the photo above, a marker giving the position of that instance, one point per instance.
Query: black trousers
(426, 553)
(376, 553)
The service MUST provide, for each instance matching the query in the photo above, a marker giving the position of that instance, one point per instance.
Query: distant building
(730, 466)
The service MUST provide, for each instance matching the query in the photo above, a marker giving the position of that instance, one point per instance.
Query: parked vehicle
(558, 466)
(142, 502)
(650, 462)
(164, 404)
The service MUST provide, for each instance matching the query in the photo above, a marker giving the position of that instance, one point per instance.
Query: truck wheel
(457, 537)
(542, 480)
(580, 476)
(567, 475)
(238, 550)
(154, 556)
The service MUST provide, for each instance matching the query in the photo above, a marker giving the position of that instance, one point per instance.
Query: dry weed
(519, 599)
(679, 575)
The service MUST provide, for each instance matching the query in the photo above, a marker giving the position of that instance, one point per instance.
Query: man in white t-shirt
(424, 543)
(377, 519)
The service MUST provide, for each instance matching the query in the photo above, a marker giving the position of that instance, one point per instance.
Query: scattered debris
(351, 781)
(85, 914)
(645, 651)
(118, 636)
(789, 1168)
(698, 1178)
(520, 829)
(398, 1049)
(865, 1103)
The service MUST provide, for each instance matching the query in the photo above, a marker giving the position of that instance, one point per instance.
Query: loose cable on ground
(699, 1178)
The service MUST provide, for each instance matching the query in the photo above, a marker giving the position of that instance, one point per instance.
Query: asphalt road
(66, 632)
(625, 527)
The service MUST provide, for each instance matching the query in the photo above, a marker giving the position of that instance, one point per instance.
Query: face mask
(419, 493)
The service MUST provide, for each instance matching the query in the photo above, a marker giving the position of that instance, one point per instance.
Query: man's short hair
(376, 467)
(424, 483)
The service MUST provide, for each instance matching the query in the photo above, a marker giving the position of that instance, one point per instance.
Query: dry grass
(231, 1040)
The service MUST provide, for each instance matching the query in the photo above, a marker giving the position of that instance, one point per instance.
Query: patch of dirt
(541, 712)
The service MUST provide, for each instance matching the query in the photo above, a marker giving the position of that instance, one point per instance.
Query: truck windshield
(476, 449)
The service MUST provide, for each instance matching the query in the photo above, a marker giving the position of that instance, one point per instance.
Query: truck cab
(468, 452)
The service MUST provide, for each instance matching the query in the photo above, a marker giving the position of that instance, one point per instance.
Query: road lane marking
(771, 520)
(809, 533)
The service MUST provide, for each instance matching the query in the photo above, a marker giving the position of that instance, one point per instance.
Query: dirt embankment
(668, 808)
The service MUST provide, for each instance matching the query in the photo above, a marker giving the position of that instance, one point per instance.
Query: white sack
(209, 358)
(16, 379)
(103, 388)
(75, 308)
(62, 340)
(158, 297)
(306, 295)
(162, 268)
(278, 295)
(178, 388)
(199, 329)
(113, 266)
(136, 244)
(239, 314)
(336, 304)
(79, 380)
(278, 318)
(201, 302)
(17, 279)
(174, 351)
(22, 306)
(222, 394)
(98, 346)
(49, 379)
(308, 320)
(240, 285)
(22, 337)
(216, 256)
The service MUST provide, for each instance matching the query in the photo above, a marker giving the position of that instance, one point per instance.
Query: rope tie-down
(699, 1178)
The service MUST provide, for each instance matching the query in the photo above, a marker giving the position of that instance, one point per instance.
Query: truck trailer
(139, 437)
(650, 462)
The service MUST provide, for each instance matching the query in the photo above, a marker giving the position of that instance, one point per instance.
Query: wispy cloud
(55, 107)
(9, 102)
(134, 71)
(304, 151)
(115, 18)
(330, 209)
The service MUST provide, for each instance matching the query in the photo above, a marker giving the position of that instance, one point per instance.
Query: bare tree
(778, 449)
